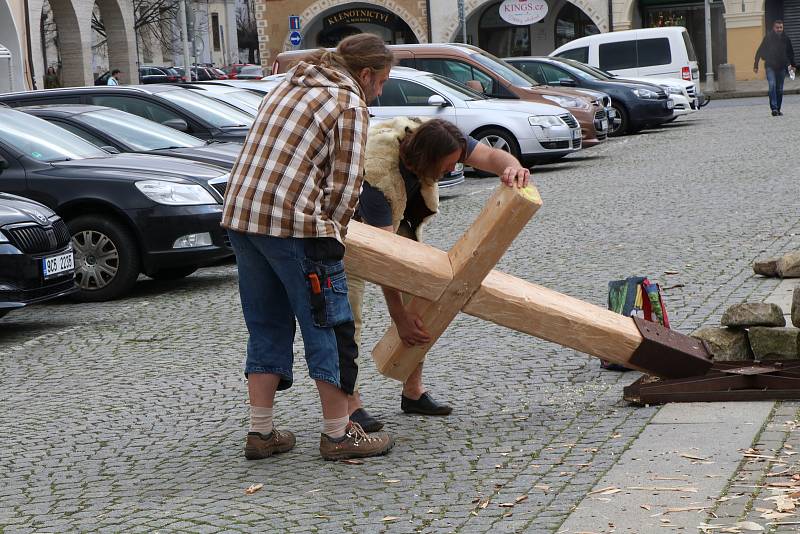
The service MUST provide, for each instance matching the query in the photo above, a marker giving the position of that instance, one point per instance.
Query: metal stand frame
(725, 381)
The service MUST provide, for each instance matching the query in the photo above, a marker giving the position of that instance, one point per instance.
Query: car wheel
(500, 139)
(106, 258)
(619, 128)
(173, 274)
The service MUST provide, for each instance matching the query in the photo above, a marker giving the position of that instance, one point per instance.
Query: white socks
(260, 419)
(335, 428)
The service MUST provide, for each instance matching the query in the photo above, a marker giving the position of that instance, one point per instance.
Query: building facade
(737, 25)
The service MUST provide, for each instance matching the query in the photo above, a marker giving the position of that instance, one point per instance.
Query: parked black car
(36, 260)
(170, 105)
(638, 105)
(147, 75)
(116, 131)
(127, 213)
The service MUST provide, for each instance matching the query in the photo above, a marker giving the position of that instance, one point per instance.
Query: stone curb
(746, 94)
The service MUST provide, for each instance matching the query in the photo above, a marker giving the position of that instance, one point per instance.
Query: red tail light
(686, 74)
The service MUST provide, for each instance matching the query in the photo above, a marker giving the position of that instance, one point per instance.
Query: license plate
(611, 113)
(58, 264)
(576, 134)
(604, 124)
(670, 104)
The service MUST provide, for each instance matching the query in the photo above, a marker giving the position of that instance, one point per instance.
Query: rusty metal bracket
(669, 354)
(726, 381)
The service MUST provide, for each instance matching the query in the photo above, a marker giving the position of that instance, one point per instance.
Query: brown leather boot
(259, 446)
(356, 444)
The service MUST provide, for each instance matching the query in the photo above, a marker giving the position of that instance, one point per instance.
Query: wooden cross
(445, 283)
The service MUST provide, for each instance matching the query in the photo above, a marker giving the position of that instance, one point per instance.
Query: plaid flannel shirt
(301, 167)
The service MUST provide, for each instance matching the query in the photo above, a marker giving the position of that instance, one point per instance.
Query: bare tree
(153, 22)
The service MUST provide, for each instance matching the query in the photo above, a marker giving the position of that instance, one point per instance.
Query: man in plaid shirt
(291, 195)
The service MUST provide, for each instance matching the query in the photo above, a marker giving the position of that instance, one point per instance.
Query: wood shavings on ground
(253, 488)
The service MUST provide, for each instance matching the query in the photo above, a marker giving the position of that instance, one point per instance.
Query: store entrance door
(691, 15)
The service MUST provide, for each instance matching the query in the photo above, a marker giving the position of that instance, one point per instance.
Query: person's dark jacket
(776, 50)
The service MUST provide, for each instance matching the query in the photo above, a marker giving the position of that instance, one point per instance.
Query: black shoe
(367, 422)
(775, 112)
(425, 405)
(780, 113)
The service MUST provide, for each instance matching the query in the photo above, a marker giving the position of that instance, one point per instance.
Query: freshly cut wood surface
(504, 215)
(514, 303)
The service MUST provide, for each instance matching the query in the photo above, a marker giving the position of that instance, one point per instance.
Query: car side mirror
(566, 82)
(111, 149)
(475, 85)
(177, 124)
(438, 100)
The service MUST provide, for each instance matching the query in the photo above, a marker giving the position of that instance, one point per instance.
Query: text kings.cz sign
(523, 12)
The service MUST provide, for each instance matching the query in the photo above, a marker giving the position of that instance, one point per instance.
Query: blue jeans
(275, 289)
(775, 79)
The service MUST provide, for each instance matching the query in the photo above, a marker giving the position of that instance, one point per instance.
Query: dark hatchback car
(117, 131)
(36, 260)
(170, 105)
(127, 213)
(638, 105)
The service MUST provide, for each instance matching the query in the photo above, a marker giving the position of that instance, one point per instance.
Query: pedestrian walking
(405, 160)
(51, 80)
(114, 78)
(778, 55)
(291, 195)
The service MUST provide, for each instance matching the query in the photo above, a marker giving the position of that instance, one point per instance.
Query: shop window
(654, 52)
(572, 23)
(620, 55)
(578, 54)
(215, 30)
(500, 38)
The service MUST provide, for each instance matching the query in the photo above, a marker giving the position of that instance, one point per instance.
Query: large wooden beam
(424, 271)
(474, 255)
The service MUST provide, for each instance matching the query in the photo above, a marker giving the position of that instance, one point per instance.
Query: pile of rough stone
(755, 330)
(787, 266)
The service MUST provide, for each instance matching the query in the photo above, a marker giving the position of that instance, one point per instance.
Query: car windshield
(584, 71)
(461, 90)
(243, 100)
(137, 132)
(42, 141)
(215, 112)
(498, 66)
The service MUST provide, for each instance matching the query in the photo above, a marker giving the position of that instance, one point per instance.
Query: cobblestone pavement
(131, 415)
(769, 470)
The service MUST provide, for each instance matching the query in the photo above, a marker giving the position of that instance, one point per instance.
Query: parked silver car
(532, 132)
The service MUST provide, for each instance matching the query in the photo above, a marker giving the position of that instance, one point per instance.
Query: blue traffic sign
(295, 38)
(294, 22)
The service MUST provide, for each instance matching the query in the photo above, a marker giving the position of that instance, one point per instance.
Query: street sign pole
(709, 55)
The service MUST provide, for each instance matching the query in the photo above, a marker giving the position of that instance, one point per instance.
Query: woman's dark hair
(423, 149)
(355, 53)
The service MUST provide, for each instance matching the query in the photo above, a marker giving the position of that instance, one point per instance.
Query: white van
(664, 52)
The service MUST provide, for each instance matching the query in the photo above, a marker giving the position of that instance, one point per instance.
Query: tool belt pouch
(326, 282)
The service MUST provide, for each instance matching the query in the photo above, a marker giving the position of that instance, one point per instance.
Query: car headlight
(567, 102)
(174, 194)
(645, 93)
(672, 90)
(545, 121)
